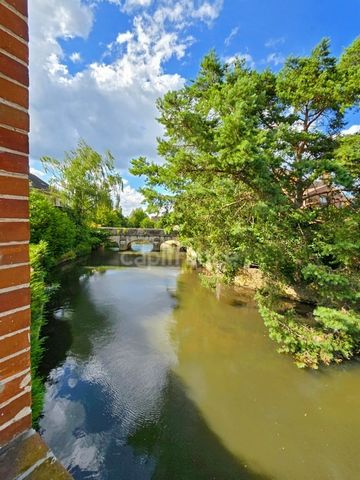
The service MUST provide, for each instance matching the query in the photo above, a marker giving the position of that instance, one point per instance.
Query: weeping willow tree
(240, 151)
(86, 182)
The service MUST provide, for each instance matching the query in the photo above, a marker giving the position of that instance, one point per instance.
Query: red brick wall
(15, 395)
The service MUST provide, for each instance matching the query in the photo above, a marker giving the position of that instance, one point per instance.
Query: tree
(136, 217)
(241, 148)
(86, 181)
(147, 223)
(107, 217)
(51, 225)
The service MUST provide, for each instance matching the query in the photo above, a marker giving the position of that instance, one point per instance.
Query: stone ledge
(29, 458)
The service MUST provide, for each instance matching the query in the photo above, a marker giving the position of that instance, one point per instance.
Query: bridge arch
(130, 245)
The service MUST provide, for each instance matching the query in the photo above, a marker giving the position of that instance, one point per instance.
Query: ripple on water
(162, 380)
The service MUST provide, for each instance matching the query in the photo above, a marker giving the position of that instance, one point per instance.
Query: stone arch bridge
(124, 237)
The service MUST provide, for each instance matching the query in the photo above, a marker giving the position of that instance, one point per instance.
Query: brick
(14, 365)
(10, 301)
(10, 208)
(13, 69)
(14, 117)
(51, 469)
(14, 163)
(8, 412)
(15, 387)
(19, 5)
(13, 22)
(12, 254)
(14, 140)
(13, 344)
(13, 90)
(10, 277)
(14, 93)
(21, 455)
(14, 232)
(13, 323)
(14, 430)
(13, 46)
(14, 186)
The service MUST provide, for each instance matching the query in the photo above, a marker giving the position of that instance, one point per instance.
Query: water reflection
(155, 378)
(142, 247)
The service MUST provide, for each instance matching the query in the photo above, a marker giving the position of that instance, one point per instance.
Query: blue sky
(97, 66)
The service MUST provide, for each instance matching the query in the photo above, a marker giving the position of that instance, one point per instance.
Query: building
(39, 184)
(322, 194)
(36, 182)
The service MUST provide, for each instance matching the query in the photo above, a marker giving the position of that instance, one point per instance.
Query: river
(152, 376)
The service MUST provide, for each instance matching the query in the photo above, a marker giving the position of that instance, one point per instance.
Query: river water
(152, 376)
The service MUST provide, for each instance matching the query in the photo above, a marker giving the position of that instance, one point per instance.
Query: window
(323, 200)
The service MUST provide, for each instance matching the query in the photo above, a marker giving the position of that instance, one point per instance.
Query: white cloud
(111, 106)
(231, 36)
(130, 199)
(241, 56)
(124, 37)
(36, 168)
(129, 4)
(37, 172)
(208, 11)
(114, 2)
(75, 57)
(351, 130)
(275, 58)
(274, 42)
(70, 18)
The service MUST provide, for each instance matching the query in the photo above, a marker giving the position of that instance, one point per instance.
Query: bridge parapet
(124, 237)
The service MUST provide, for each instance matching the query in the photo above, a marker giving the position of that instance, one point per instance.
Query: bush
(52, 225)
(99, 237)
(65, 237)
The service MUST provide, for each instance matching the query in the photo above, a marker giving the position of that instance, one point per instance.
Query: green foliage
(208, 280)
(65, 237)
(241, 149)
(147, 223)
(52, 225)
(98, 237)
(331, 336)
(108, 217)
(86, 182)
(138, 218)
(39, 298)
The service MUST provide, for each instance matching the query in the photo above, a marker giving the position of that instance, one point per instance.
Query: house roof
(36, 182)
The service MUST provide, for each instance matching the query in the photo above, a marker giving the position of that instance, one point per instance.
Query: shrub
(52, 225)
